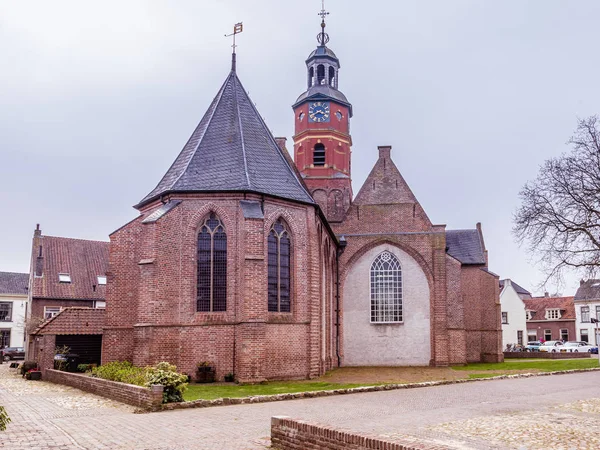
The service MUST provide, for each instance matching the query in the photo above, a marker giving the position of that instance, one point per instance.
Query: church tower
(322, 138)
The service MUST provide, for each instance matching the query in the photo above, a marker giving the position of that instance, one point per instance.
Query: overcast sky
(98, 98)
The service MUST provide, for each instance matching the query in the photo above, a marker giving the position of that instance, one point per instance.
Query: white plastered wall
(17, 323)
(402, 344)
(512, 304)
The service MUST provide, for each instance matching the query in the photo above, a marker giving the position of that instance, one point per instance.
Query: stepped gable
(384, 185)
(231, 150)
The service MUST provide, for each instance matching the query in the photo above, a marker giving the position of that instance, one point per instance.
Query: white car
(576, 347)
(551, 346)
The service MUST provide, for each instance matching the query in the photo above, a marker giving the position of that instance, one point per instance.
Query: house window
(547, 335)
(386, 289)
(4, 338)
(101, 280)
(279, 268)
(532, 335)
(520, 337)
(64, 278)
(584, 335)
(597, 312)
(319, 155)
(5, 311)
(504, 317)
(528, 315)
(212, 266)
(552, 314)
(585, 314)
(51, 311)
(564, 334)
(100, 304)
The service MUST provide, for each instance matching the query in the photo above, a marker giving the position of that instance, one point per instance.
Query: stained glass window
(279, 268)
(386, 289)
(212, 266)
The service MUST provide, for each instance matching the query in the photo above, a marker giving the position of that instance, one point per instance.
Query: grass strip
(542, 365)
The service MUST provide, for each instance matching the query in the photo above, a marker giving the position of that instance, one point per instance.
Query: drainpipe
(340, 250)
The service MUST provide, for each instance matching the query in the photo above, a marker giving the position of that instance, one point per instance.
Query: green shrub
(174, 382)
(4, 419)
(122, 371)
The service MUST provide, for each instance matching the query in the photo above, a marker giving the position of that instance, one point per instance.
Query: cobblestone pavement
(557, 412)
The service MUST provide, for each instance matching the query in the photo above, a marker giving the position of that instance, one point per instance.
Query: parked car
(533, 346)
(594, 350)
(576, 347)
(551, 346)
(9, 353)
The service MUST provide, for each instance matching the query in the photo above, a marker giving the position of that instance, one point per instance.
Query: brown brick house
(65, 273)
(269, 269)
(550, 318)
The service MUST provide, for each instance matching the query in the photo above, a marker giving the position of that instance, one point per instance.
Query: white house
(587, 307)
(514, 326)
(13, 308)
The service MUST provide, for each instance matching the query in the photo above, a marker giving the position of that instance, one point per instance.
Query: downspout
(339, 252)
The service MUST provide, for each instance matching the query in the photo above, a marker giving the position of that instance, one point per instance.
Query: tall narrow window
(585, 313)
(212, 266)
(386, 289)
(319, 155)
(320, 74)
(279, 268)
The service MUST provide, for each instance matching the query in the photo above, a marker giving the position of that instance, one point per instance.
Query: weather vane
(237, 28)
(323, 38)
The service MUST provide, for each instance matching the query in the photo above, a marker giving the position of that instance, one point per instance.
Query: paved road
(489, 414)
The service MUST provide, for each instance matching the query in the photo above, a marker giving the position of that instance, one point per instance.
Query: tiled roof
(231, 150)
(519, 289)
(14, 283)
(540, 304)
(588, 290)
(83, 260)
(466, 246)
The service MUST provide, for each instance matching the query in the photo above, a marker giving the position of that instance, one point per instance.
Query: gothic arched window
(212, 266)
(386, 289)
(319, 155)
(279, 268)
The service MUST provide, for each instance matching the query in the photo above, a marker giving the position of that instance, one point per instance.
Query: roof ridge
(239, 114)
(74, 239)
(14, 273)
(212, 114)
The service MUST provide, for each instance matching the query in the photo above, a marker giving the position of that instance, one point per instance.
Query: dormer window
(64, 278)
(553, 314)
(529, 316)
(101, 280)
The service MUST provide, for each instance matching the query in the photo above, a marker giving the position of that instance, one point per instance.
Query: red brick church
(270, 268)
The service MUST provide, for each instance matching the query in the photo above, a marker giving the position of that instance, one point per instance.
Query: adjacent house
(514, 325)
(13, 308)
(587, 308)
(65, 273)
(550, 318)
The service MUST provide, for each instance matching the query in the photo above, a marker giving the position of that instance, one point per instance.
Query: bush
(27, 366)
(122, 371)
(4, 419)
(174, 382)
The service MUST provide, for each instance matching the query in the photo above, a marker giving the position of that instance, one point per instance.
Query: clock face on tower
(318, 112)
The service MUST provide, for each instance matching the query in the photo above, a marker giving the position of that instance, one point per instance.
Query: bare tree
(559, 216)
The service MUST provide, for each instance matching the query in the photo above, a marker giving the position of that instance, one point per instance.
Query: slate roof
(588, 290)
(519, 289)
(14, 283)
(322, 50)
(466, 246)
(231, 150)
(83, 260)
(322, 92)
(539, 305)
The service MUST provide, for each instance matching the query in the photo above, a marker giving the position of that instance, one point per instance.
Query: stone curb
(312, 394)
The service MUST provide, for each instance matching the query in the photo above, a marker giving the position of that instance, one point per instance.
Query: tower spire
(237, 28)
(322, 37)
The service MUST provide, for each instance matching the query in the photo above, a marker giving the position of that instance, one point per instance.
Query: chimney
(37, 232)
(384, 151)
(546, 294)
(281, 143)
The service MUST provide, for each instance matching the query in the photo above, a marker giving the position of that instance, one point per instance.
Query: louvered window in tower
(212, 266)
(386, 289)
(319, 155)
(279, 267)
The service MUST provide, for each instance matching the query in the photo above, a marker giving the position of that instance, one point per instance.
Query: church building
(268, 267)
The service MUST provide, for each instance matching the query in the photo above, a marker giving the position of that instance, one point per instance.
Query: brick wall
(38, 304)
(139, 396)
(288, 434)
